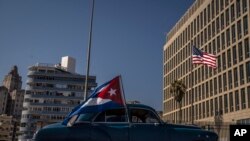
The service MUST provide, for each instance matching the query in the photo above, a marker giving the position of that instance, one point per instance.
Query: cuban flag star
(107, 96)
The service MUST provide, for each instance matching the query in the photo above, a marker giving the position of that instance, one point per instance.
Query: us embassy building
(219, 27)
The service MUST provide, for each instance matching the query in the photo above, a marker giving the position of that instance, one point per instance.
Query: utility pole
(89, 52)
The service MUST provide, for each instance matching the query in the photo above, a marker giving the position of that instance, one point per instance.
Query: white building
(52, 92)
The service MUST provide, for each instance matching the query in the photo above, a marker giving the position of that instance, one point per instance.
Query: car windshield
(85, 117)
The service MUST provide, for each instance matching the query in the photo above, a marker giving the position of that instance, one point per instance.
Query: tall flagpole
(192, 88)
(89, 51)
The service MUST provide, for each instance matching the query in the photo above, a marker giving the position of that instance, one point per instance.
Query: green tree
(178, 89)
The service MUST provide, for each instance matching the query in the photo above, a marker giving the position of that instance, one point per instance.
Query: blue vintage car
(140, 124)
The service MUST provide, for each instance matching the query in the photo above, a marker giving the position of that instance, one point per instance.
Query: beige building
(16, 104)
(3, 99)
(8, 127)
(219, 27)
(11, 105)
(13, 81)
(15, 95)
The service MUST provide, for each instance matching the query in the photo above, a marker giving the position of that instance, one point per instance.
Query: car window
(143, 116)
(117, 115)
(85, 117)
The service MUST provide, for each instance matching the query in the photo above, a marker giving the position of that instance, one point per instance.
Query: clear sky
(128, 39)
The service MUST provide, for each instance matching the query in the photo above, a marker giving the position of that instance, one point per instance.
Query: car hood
(54, 125)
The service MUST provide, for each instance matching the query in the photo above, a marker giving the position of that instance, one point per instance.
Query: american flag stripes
(200, 57)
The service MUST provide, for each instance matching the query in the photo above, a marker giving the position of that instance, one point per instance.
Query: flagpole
(123, 97)
(89, 51)
(192, 89)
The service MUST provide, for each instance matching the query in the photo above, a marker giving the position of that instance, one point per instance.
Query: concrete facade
(219, 27)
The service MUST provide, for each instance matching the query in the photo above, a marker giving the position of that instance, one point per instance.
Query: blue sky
(128, 39)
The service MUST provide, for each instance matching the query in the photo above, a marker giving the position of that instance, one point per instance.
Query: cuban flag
(107, 96)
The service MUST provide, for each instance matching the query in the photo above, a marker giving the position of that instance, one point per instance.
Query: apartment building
(52, 91)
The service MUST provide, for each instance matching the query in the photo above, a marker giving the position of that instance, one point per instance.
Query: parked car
(140, 124)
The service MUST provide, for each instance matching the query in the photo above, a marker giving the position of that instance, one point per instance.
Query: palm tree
(178, 89)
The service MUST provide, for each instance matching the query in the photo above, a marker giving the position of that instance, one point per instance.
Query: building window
(233, 33)
(218, 44)
(226, 3)
(208, 12)
(201, 19)
(230, 80)
(232, 13)
(224, 60)
(211, 107)
(227, 17)
(216, 105)
(207, 108)
(215, 85)
(219, 63)
(228, 37)
(207, 90)
(244, 5)
(213, 28)
(245, 25)
(217, 6)
(209, 32)
(248, 96)
(229, 57)
(235, 77)
(240, 51)
(225, 104)
(231, 102)
(222, 21)
(212, 8)
(239, 30)
(205, 17)
(234, 55)
(223, 40)
(214, 46)
(237, 102)
(238, 9)
(217, 25)
(221, 5)
(247, 48)
(248, 71)
(241, 74)
(225, 81)
(211, 87)
(220, 83)
(243, 98)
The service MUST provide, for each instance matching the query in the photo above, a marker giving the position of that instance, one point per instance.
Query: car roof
(140, 106)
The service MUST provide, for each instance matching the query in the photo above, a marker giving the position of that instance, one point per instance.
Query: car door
(145, 126)
(110, 125)
(79, 127)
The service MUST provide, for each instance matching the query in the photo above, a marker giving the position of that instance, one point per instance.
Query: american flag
(200, 57)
